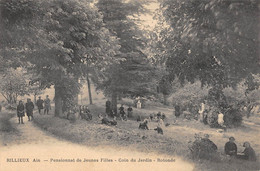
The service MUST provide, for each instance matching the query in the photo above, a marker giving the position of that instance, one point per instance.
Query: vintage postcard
(147, 85)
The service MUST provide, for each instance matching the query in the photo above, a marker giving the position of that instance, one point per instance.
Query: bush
(213, 117)
(203, 148)
(233, 117)
(10, 107)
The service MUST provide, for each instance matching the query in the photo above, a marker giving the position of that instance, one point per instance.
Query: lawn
(173, 142)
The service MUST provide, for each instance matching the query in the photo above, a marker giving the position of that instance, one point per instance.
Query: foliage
(13, 84)
(203, 148)
(59, 39)
(134, 75)
(233, 117)
(188, 94)
(213, 41)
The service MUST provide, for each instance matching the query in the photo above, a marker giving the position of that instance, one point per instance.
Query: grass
(94, 134)
(126, 134)
(5, 124)
(7, 130)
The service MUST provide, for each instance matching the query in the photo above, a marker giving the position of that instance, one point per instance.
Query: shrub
(203, 148)
(233, 117)
(10, 107)
(213, 117)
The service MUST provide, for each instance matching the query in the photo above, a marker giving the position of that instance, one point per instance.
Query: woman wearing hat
(248, 153)
(20, 112)
(231, 147)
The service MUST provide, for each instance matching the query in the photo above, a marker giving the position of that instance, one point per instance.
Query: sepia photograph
(130, 85)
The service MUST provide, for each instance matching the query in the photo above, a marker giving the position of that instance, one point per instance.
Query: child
(143, 125)
(20, 112)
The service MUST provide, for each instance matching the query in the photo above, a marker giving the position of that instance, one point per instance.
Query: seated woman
(160, 126)
(159, 130)
(104, 120)
(209, 145)
(88, 115)
(144, 125)
(248, 153)
(159, 114)
(129, 112)
(113, 122)
(163, 117)
(81, 112)
(151, 117)
(231, 147)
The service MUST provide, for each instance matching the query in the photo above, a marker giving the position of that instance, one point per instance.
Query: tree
(13, 84)
(133, 76)
(213, 41)
(165, 87)
(65, 36)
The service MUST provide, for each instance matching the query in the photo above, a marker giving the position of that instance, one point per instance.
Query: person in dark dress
(248, 153)
(87, 112)
(113, 113)
(113, 122)
(129, 112)
(159, 130)
(177, 110)
(151, 117)
(106, 121)
(208, 144)
(47, 105)
(108, 107)
(20, 112)
(39, 104)
(29, 106)
(144, 125)
(122, 112)
(159, 114)
(231, 147)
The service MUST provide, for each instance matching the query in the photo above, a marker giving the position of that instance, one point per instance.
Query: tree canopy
(213, 41)
(65, 38)
(134, 74)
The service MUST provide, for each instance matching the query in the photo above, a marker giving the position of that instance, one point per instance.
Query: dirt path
(33, 143)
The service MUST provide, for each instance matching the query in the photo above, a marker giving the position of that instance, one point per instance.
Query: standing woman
(47, 105)
(20, 112)
(29, 106)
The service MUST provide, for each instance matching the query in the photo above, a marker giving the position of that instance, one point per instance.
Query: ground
(127, 137)
(31, 142)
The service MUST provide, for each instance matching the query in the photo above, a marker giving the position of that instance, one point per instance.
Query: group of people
(122, 114)
(84, 112)
(159, 118)
(104, 120)
(247, 154)
(204, 148)
(29, 107)
(44, 104)
(199, 113)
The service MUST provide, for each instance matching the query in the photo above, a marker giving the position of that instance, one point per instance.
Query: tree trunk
(164, 99)
(114, 101)
(120, 96)
(35, 98)
(76, 96)
(58, 102)
(89, 90)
